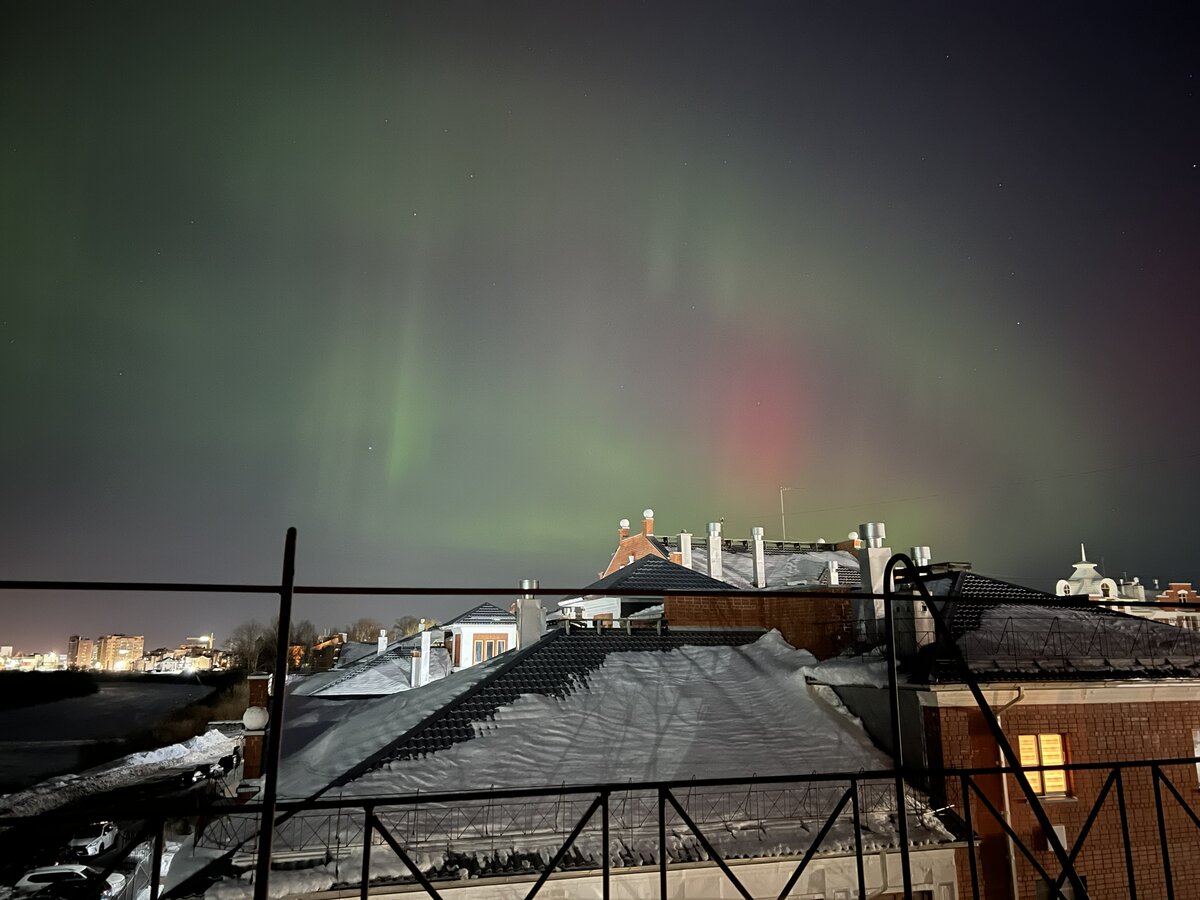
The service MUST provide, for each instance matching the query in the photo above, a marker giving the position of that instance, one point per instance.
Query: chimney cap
(624, 523)
(647, 514)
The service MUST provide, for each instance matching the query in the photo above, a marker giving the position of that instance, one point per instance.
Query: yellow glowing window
(1044, 750)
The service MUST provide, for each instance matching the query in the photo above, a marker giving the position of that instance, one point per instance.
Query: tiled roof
(554, 666)
(1006, 631)
(652, 574)
(847, 577)
(484, 614)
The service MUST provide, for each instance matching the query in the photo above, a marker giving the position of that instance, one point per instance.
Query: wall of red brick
(822, 625)
(959, 738)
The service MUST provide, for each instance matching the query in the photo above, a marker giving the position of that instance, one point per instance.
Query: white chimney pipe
(714, 550)
(531, 617)
(872, 560)
(381, 643)
(833, 572)
(426, 650)
(414, 669)
(685, 549)
(760, 562)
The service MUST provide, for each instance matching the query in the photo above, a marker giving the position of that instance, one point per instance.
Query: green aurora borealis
(452, 288)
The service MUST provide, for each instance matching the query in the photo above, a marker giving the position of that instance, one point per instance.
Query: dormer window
(1106, 590)
(1066, 590)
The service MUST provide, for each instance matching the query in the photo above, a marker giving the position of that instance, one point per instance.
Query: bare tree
(404, 626)
(363, 629)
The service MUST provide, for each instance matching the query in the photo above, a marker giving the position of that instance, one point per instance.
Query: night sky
(452, 288)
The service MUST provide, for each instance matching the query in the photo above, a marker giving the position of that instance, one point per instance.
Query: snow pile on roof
(703, 712)
(391, 674)
(357, 730)
(863, 671)
(782, 569)
(64, 789)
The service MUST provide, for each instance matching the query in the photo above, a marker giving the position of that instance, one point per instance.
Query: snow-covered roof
(786, 565)
(388, 672)
(590, 707)
(692, 711)
(1009, 631)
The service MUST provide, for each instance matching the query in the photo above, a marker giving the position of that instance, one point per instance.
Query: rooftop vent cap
(874, 533)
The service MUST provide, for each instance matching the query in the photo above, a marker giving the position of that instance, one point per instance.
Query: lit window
(1044, 750)
(479, 651)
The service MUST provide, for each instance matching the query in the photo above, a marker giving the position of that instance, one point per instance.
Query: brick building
(1071, 683)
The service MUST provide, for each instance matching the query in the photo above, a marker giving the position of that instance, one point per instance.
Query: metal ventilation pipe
(760, 562)
(922, 557)
(685, 549)
(873, 533)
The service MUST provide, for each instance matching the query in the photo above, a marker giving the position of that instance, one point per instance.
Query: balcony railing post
(965, 790)
(156, 864)
(662, 844)
(1125, 835)
(604, 839)
(1155, 776)
(368, 835)
(266, 832)
(889, 624)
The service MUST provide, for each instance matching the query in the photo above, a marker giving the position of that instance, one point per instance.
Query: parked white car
(94, 839)
(37, 879)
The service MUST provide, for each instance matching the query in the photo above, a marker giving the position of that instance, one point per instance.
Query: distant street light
(782, 512)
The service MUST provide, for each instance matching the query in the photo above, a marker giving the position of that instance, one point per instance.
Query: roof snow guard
(554, 666)
(1006, 631)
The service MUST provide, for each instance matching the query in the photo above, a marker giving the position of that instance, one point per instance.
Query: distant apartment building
(81, 652)
(118, 652)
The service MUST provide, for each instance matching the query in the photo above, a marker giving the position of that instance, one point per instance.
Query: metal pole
(1132, 886)
(156, 866)
(604, 837)
(897, 745)
(782, 513)
(1162, 833)
(275, 730)
(662, 844)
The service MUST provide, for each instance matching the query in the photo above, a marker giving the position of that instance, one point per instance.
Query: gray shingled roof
(484, 614)
(651, 574)
(788, 565)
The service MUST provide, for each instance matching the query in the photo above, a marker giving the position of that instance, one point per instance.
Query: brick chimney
(255, 722)
(622, 529)
(647, 522)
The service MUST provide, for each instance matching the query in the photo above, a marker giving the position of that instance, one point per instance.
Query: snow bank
(59, 791)
(864, 671)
